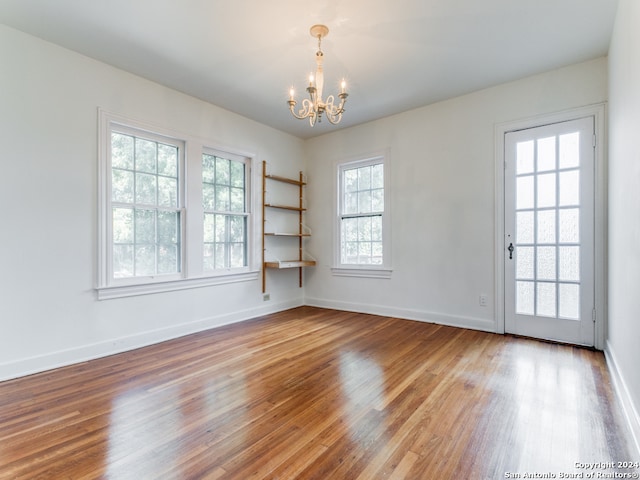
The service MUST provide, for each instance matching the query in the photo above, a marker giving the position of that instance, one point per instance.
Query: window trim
(247, 161)
(192, 274)
(357, 270)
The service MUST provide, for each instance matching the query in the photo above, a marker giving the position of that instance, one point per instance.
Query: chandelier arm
(306, 110)
(334, 112)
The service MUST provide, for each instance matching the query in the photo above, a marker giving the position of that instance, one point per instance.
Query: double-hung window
(363, 219)
(175, 213)
(146, 204)
(224, 200)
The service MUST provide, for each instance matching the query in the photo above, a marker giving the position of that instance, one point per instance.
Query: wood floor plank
(313, 393)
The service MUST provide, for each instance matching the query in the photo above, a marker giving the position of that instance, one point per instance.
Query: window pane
(570, 150)
(524, 298)
(376, 229)
(209, 258)
(546, 263)
(208, 168)
(351, 203)
(569, 301)
(524, 192)
(546, 154)
(524, 263)
(168, 227)
(223, 172)
(145, 260)
(237, 200)
(223, 203)
(146, 189)
(377, 200)
(236, 229)
(524, 156)
(547, 226)
(146, 152)
(376, 253)
(145, 226)
(220, 255)
(364, 201)
(208, 196)
(121, 151)
(167, 192)
(364, 178)
(524, 227)
(123, 261)
(377, 176)
(122, 186)
(237, 255)
(237, 174)
(220, 228)
(122, 225)
(350, 229)
(209, 226)
(570, 225)
(168, 259)
(364, 229)
(569, 264)
(570, 188)
(168, 160)
(351, 180)
(547, 190)
(546, 299)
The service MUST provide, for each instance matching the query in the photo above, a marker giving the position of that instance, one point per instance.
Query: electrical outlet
(483, 300)
(266, 297)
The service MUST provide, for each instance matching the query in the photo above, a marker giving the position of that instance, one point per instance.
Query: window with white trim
(362, 217)
(224, 199)
(146, 204)
(175, 213)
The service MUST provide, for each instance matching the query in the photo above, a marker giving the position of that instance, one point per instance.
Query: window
(363, 218)
(174, 212)
(224, 200)
(146, 204)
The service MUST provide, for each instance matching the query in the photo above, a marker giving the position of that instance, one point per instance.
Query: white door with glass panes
(549, 232)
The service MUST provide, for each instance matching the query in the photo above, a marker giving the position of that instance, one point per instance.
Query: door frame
(598, 112)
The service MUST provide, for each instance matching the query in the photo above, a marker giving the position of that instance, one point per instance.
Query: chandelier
(314, 106)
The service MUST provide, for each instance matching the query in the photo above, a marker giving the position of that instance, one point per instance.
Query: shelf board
(286, 207)
(276, 234)
(290, 264)
(285, 180)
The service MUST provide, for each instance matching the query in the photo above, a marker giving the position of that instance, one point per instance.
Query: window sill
(361, 272)
(119, 291)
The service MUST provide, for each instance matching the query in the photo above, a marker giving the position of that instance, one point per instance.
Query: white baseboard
(630, 409)
(409, 314)
(28, 366)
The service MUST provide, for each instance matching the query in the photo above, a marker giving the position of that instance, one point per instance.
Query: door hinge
(594, 140)
(593, 315)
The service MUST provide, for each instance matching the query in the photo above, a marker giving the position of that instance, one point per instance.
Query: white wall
(442, 195)
(49, 314)
(624, 207)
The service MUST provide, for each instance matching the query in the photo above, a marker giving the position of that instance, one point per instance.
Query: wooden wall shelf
(299, 262)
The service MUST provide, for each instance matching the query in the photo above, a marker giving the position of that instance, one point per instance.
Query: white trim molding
(41, 363)
(622, 392)
(598, 112)
(406, 313)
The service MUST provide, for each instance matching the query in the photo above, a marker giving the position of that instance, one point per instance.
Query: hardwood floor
(318, 394)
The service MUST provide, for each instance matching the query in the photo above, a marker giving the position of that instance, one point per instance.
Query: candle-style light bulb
(291, 92)
(311, 80)
(343, 86)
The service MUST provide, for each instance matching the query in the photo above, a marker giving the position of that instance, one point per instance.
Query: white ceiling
(243, 55)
